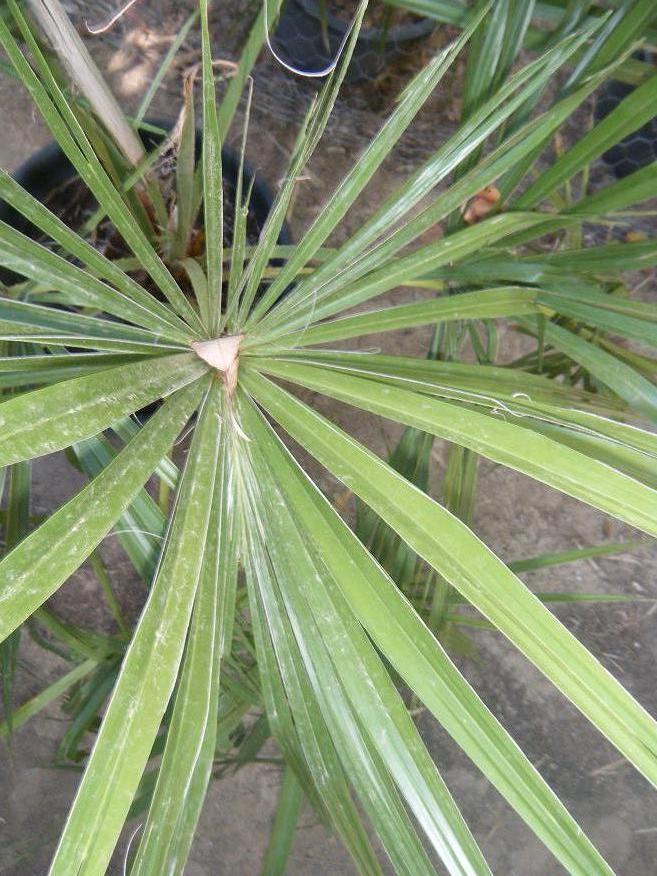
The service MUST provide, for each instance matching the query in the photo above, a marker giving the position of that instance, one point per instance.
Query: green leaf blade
(478, 574)
(45, 559)
(148, 672)
(52, 418)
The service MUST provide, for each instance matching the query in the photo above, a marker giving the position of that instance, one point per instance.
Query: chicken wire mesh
(307, 36)
(639, 148)
(387, 54)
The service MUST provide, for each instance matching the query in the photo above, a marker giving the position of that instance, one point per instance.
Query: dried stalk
(85, 75)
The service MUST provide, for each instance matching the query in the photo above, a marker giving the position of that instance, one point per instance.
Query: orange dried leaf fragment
(481, 205)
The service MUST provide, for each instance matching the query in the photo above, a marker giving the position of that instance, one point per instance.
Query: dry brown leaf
(481, 205)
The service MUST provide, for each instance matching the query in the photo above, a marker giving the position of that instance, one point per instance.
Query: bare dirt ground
(515, 516)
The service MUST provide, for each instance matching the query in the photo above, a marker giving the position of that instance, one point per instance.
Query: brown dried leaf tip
(222, 354)
(481, 205)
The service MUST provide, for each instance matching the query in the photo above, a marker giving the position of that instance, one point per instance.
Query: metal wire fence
(281, 98)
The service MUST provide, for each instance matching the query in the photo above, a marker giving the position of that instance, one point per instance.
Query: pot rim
(43, 172)
(48, 168)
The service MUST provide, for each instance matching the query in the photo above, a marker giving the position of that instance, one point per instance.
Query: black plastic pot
(49, 170)
(299, 40)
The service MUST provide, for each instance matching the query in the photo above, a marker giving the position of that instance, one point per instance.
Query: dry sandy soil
(515, 516)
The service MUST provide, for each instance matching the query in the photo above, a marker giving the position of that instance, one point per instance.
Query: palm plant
(261, 596)
(541, 21)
